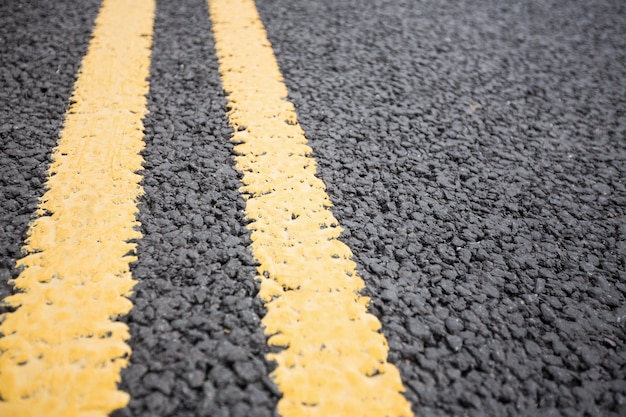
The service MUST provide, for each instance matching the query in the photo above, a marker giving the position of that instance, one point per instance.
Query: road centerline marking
(334, 358)
(62, 350)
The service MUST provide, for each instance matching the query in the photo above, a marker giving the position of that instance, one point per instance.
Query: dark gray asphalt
(475, 152)
(38, 64)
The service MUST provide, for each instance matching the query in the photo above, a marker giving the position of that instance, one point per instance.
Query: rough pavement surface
(198, 348)
(475, 152)
(39, 60)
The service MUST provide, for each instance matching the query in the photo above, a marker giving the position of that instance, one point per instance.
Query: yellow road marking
(334, 360)
(62, 353)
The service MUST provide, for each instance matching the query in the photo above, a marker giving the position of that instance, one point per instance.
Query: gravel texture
(475, 152)
(198, 348)
(41, 46)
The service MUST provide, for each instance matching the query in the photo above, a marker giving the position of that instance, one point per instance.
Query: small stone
(156, 402)
(508, 394)
(376, 268)
(195, 378)
(547, 313)
(491, 291)
(389, 295)
(470, 400)
(540, 285)
(454, 342)
(133, 374)
(418, 329)
(197, 220)
(559, 374)
(602, 188)
(589, 357)
(532, 348)
(454, 325)
(164, 382)
(427, 364)
(247, 371)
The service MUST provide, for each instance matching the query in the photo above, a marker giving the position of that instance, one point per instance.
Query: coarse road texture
(54, 361)
(475, 154)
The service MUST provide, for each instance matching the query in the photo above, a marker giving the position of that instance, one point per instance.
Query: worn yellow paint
(62, 351)
(334, 358)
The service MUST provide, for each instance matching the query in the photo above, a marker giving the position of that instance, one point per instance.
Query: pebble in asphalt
(475, 153)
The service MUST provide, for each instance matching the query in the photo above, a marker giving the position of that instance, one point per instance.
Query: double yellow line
(62, 349)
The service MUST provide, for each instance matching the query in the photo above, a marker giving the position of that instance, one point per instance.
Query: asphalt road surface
(475, 154)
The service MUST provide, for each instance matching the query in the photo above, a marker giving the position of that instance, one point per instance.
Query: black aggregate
(41, 46)
(475, 152)
(198, 348)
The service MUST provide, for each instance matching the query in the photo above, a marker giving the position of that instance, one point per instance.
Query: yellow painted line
(62, 351)
(334, 361)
